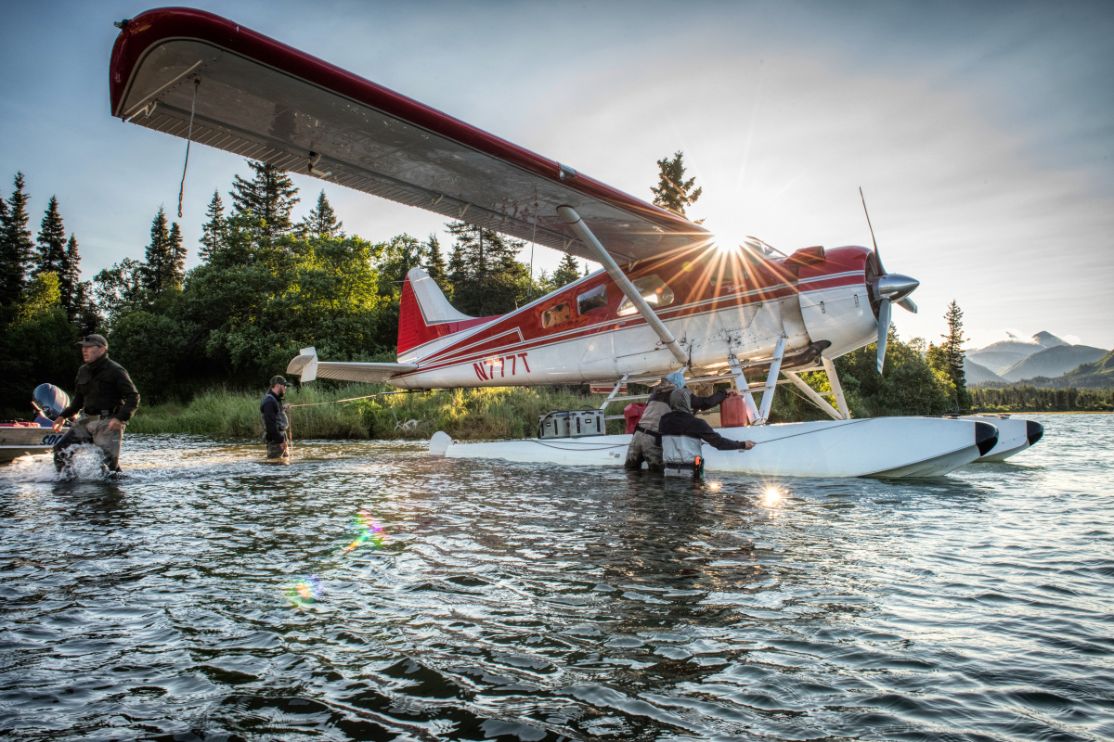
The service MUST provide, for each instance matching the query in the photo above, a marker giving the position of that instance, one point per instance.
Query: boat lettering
(50, 440)
(501, 367)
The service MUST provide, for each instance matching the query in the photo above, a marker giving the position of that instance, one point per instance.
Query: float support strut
(771, 382)
(837, 388)
(614, 390)
(812, 395)
(743, 386)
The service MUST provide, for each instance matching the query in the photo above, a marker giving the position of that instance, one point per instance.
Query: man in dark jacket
(683, 432)
(645, 444)
(275, 421)
(106, 398)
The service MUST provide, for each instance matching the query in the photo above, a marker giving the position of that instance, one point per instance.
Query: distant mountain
(978, 375)
(999, 357)
(1052, 362)
(1048, 340)
(1095, 375)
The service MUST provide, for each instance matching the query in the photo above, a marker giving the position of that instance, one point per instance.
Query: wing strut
(585, 234)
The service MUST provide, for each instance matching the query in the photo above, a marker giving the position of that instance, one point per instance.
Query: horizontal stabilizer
(309, 368)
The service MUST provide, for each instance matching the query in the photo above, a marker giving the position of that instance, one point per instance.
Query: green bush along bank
(321, 412)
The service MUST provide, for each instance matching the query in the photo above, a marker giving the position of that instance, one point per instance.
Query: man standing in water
(106, 398)
(275, 421)
(645, 444)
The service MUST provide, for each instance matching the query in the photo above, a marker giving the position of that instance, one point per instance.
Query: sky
(981, 133)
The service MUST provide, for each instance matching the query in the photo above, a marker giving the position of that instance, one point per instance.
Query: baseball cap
(279, 380)
(90, 341)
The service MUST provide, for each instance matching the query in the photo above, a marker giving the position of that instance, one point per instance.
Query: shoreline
(378, 412)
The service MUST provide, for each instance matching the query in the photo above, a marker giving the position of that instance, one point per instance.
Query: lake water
(370, 591)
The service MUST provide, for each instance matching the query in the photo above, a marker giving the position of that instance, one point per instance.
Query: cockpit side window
(591, 299)
(655, 291)
(556, 315)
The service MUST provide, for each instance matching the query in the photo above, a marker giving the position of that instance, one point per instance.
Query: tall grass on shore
(501, 412)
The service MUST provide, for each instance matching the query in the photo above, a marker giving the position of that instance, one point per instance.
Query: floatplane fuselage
(716, 303)
(667, 297)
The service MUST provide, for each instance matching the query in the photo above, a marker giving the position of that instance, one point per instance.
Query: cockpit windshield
(654, 290)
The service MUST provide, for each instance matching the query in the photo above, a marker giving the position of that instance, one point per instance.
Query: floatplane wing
(190, 73)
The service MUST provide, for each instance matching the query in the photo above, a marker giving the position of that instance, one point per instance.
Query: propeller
(887, 289)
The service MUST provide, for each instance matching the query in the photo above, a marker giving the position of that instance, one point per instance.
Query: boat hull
(16, 441)
(890, 447)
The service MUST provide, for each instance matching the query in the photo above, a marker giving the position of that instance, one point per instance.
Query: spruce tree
(268, 198)
(321, 222)
(16, 246)
(952, 348)
(457, 269)
(69, 282)
(214, 232)
(484, 269)
(52, 241)
(435, 262)
(673, 191)
(158, 259)
(568, 270)
(176, 268)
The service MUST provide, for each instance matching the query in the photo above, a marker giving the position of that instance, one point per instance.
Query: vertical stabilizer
(425, 314)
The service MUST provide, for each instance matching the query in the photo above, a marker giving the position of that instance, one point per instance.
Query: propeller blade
(883, 330)
(871, 227)
(908, 305)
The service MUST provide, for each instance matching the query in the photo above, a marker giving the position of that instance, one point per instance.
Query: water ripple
(371, 592)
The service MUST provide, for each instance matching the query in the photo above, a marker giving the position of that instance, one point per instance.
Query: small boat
(23, 438)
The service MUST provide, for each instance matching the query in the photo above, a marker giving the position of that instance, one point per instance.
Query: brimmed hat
(279, 380)
(93, 341)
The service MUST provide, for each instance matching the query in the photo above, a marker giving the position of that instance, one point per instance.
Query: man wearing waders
(645, 444)
(275, 421)
(106, 398)
(683, 433)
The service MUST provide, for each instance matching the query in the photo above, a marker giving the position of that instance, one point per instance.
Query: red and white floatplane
(668, 297)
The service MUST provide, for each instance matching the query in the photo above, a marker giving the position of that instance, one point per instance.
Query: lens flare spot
(772, 496)
(368, 531)
(305, 592)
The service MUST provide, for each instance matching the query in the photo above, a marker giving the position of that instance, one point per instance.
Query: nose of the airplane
(895, 286)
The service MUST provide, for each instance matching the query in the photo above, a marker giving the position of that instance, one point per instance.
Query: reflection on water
(369, 591)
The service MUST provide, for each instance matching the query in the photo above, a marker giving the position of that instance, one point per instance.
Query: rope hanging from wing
(189, 141)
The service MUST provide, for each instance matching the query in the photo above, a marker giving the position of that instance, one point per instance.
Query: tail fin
(424, 314)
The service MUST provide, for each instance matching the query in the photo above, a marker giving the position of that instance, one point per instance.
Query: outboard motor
(49, 401)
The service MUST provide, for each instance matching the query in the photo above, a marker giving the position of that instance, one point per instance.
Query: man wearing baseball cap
(275, 421)
(105, 397)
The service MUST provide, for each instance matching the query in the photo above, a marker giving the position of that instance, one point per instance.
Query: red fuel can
(733, 412)
(633, 413)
